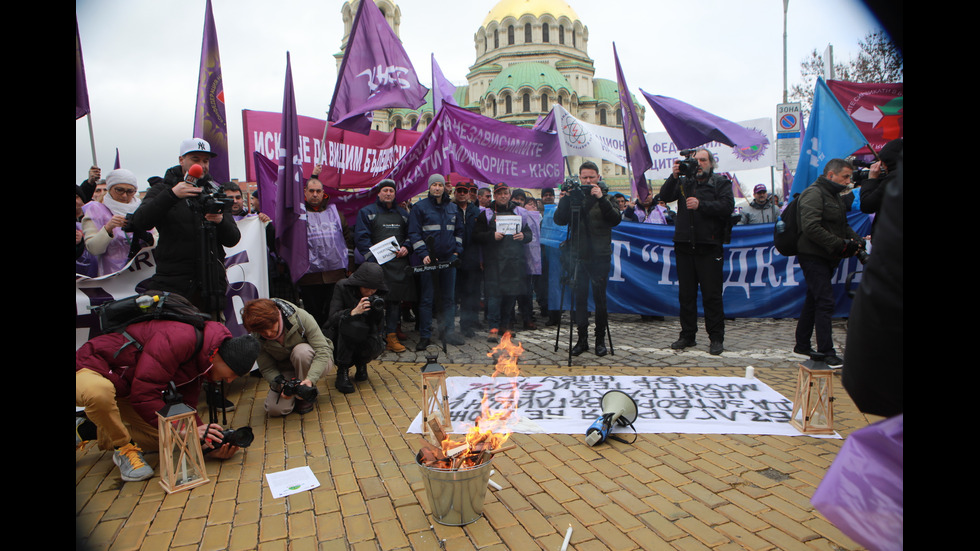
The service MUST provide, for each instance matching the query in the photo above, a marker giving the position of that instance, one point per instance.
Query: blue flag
(290, 216)
(830, 134)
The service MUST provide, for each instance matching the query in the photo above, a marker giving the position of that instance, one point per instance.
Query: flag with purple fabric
(637, 152)
(81, 88)
(787, 181)
(375, 73)
(690, 127)
(209, 114)
(116, 165)
(442, 89)
(290, 218)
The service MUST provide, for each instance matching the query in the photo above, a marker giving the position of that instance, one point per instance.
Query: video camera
(862, 169)
(689, 166)
(294, 387)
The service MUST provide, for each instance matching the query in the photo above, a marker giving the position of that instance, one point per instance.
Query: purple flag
(81, 88)
(637, 152)
(375, 74)
(442, 89)
(116, 165)
(290, 217)
(209, 115)
(736, 185)
(787, 181)
(690, 127)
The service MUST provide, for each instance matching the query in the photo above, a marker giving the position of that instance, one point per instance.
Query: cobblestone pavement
(665, 491)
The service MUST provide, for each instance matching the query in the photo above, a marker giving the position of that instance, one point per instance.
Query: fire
(492, 428)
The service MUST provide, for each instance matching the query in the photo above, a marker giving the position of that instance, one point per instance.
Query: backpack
(117, 315)
(786, 234)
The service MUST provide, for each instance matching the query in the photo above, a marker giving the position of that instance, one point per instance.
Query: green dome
(606, 91)
(532, 75)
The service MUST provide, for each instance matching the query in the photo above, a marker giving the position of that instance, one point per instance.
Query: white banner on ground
(569, 404)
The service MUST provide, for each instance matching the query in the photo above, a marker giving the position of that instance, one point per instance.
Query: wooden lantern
(181, 458)
(813, 406)
(435, 399)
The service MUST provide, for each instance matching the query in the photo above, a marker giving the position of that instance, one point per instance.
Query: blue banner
(759, 282)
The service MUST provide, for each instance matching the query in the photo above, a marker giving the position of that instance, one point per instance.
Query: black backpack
(786, 235)
(117, 315)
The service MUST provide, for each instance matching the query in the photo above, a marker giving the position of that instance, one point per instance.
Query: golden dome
(517, 8)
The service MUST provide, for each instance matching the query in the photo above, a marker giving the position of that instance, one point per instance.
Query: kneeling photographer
(294, 354)
(357, 322)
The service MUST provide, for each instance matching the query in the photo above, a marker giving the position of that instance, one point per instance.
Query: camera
(862, 256)
(862, 169)
(242, 438)
(572, 184)
(212, 199)
(689, 166)
(377, 303)
(294, 387)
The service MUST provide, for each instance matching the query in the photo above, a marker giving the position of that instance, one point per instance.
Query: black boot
(343, 383)
(582, 345)
(360, 374)
(600, 345)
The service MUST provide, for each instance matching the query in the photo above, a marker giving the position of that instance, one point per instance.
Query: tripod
(571, 267)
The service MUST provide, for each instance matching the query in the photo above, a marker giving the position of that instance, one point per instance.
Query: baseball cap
(195, 145)
(760, 187)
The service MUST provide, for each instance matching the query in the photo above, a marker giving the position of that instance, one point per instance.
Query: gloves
(851, 248)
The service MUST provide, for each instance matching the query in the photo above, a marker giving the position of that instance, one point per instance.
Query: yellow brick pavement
(665, 491)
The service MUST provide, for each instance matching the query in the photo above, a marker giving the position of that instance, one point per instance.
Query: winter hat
(120, 176)
(240, 353)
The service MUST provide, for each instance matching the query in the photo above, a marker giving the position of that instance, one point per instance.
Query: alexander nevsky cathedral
(530, 54)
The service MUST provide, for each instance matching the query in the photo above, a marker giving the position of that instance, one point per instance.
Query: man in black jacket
(190, 253)
(598, 216)
(704, 208)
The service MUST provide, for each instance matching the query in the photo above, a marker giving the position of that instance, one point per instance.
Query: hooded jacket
(169, 353)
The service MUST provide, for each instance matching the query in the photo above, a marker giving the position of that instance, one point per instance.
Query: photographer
(704, 210)
(120, 384)
(356, 323)
(106, 225)
(880, 176)
(590, 240)
(826, 238)
(294, 353)
(190, 255)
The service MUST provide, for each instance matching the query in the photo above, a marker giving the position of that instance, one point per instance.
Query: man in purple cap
(762, 209)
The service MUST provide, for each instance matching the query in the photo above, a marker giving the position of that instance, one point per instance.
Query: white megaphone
(617, 408)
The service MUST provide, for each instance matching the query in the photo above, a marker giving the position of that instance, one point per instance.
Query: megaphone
(617, 408)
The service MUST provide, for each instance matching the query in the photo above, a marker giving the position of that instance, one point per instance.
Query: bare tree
(878, 61)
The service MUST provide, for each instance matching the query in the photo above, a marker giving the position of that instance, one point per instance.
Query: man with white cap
(190, 255)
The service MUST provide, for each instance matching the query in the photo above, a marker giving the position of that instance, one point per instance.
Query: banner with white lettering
(350, 160)
(759, 282)
(246, 266)
(569, 404)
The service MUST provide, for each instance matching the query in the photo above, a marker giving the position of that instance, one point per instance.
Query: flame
(492, 428)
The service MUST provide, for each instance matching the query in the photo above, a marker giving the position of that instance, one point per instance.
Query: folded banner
(480, 148)
(350, 160)
(569, 404)
(758, 281)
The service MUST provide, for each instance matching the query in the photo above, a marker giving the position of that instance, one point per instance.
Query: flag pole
(91, 138)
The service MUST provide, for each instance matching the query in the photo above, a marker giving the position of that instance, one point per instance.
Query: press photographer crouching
(357, 323)
(294, 354)
(120, 380)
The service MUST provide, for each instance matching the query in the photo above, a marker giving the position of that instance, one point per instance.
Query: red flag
(876, 109)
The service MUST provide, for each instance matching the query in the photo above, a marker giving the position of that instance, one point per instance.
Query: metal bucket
(455, 497)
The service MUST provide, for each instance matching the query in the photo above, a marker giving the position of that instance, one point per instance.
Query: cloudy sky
(141, 59)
